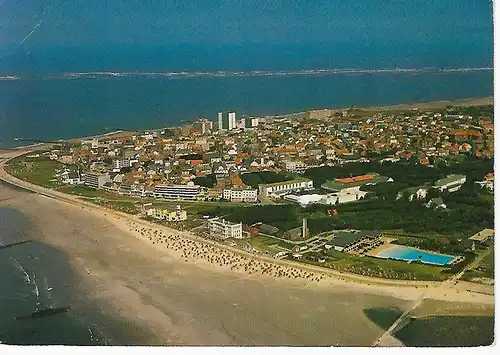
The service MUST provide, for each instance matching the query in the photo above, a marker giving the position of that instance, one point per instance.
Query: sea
(73, 92)
(64, 92)
(36, 277)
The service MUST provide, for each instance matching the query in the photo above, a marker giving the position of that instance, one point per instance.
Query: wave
(20, 268)
(9, 77)
(253, 73)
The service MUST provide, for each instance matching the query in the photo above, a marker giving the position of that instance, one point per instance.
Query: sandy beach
(183, 290)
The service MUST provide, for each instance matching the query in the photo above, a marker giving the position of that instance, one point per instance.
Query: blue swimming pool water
(405, 253)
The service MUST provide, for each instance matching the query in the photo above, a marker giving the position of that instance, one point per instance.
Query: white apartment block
(231, 120)
(219, 120)
(95, 180)
(177, 192)
(240, 195)
(295, 166)
(122, 163)
(451, 183)
(280, 188)
(223, 229)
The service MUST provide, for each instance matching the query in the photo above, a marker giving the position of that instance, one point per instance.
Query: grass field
(383, 317)
(262, 242)
(448, 331)
(486, 268)
(89, 192)
(38, 171)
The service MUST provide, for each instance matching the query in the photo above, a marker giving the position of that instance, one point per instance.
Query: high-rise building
(241, 123)
(203, 126)
(255, 122)
(219, 120)
(231, 120)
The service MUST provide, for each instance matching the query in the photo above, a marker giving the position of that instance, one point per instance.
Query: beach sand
(184, 291)
(181, 302)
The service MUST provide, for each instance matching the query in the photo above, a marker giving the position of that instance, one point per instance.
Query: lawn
(265, 243)
(383, 317)
(448, 331)
(39, 171)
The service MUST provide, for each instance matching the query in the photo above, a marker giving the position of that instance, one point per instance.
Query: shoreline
(404, 289)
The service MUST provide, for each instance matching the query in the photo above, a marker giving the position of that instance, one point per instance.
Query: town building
(285, 187)
(353, 241)
(177, 192)
(488, 182)
(219, 120)
(222, 229)
(436, 203)
(95, 180)
(203, 126)
(231, 120)
(295, 166)
(118, 164)
(352, 184)
(483, 236)
(71, 178)
(240, 194)
(168, 215)
(451, 183)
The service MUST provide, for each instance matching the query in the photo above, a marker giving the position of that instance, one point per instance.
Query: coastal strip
(130, 222)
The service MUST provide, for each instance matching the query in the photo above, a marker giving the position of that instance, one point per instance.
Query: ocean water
(58, 106)
(40, 41)
(411, 254)
(36, 276)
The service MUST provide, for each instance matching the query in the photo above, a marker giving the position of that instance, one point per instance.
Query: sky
(48, 35)
(218, 22)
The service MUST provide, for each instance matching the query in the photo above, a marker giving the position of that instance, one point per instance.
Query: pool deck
(387, 244)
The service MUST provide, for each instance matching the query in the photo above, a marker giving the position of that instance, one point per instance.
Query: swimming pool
(412, 254)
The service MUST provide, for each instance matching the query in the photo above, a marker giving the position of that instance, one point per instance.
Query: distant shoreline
(473, 101)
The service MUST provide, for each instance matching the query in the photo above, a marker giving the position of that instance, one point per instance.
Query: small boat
(49, 289)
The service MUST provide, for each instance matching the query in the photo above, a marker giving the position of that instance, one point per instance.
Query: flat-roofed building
(231, 118)
(219, 120)
(177, 192)
(352, 184)
(222, 229)
(169, 215)
(348, 241)
(451, 183)
(483, 236)
(285, 187)
(295, 166)
(240, 194)
(95, 180)
(121, 163)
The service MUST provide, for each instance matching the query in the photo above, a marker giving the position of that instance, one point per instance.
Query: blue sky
(148, 22)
